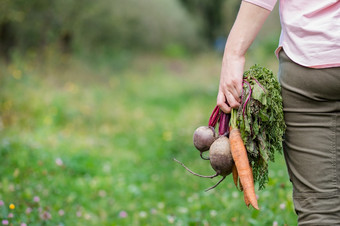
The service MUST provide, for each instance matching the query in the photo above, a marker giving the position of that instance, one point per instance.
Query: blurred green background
(98, 97)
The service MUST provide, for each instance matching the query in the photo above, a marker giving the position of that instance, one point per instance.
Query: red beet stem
(221, 127)
(224, 124)
(245, 103)
(214, 117)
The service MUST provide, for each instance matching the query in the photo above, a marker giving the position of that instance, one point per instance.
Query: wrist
(233, 57)
(235, 49)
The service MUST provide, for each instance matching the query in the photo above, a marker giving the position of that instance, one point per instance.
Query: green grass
(83, 145)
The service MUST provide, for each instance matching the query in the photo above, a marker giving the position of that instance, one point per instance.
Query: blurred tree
(7, 39)
(209, 14)
(134, 24)
(7, 34)
(106, 25)
(31, 22)
(215, 17)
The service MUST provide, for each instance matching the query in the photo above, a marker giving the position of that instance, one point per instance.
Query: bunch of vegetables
(248, 137)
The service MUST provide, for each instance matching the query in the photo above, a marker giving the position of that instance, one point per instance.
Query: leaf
(260, 120)
(259, 94)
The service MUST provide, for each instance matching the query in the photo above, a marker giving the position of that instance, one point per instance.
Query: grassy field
(91, 144)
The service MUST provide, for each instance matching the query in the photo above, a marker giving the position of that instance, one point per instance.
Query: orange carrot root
(235, 176)
(244, 170)
(240, 185)
(246, 200)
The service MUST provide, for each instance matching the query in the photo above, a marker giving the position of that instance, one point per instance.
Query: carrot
(239, 185)
(246, 200)
(235, 175)
(236, 179)
(244, 170)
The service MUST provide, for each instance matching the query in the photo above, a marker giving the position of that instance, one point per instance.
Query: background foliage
(105, 25)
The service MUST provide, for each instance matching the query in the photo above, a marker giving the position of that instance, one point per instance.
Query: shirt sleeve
(267, 4)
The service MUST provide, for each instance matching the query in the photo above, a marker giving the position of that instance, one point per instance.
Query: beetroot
(220, 160)
(203, 137)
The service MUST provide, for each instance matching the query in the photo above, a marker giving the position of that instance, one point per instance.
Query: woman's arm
(249, 21)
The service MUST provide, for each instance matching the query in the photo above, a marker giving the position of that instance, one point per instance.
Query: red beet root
(203, 138)
(220, 160)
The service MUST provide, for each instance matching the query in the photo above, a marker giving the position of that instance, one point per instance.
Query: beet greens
(260, 120)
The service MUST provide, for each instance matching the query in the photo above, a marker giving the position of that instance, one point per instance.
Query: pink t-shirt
(310, 33)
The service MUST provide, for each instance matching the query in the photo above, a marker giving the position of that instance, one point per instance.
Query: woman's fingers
(234, 102)
(233, 97)
(222, 102)
(229, 96)
(227, 101)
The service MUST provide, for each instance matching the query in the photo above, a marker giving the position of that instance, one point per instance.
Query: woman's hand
(230, 89)
(248, 22)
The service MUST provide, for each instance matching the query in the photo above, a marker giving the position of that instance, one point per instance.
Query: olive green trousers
(311, 103)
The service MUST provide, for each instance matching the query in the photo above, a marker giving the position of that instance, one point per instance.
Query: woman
(309, 73)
